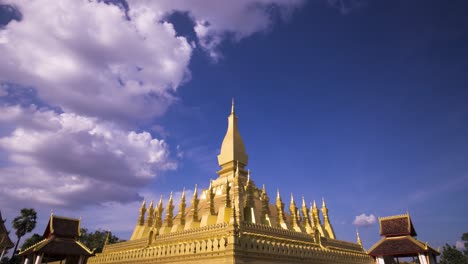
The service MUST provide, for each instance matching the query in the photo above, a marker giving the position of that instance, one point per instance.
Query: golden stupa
(233, 221)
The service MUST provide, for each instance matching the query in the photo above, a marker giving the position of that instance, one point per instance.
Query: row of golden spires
(155, 214)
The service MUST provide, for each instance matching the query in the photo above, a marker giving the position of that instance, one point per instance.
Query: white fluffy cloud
(364, 220)
(63, 158)
(89, 58)
(96, 59)
(214, 19)
(104, 67)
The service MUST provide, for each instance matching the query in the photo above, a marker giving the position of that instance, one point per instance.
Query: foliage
(465, 239)
(451, 255)
(96, 239)
(24, 223)
(12, 260)
(31, 241)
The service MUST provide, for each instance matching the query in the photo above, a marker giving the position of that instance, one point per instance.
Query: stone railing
(275, 231)
(180, 249)
(126, 245)
(298, 251)
(333, 243)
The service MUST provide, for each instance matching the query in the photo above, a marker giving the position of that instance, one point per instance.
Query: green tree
(465, 239)
(451, 255)
(24, 223)
(31, 241)
(96, 239)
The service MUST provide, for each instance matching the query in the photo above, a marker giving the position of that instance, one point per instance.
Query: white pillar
(39, 259)
(3, 253)
(80, 261)
(26, 260)
(422, 259)
(380, 260)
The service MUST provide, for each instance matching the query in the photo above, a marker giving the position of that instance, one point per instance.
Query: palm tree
(24, 223)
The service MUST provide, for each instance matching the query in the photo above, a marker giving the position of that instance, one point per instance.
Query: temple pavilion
(233, 221)
(5, 241)
(399, 241)
(59, 244)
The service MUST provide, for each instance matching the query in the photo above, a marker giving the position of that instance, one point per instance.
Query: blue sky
(360, 102)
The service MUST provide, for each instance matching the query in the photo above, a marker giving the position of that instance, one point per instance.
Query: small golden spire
(169, 212)
(293, 211)
(195, 191)
(182, 206)
(303, 202)
(323, 203)
(150, 218)
(195, 201)
(279, 208)
(160, 201)
(159, 210)
(265, 202)
(141, 218)
(358, 238)
(315, 205)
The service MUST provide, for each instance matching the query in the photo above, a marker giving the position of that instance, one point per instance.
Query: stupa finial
(232, 148)
(232, 106)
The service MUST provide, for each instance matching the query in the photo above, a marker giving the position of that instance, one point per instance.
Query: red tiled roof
(396, 226)
(54, 246)
(404, 245)
(62, 227)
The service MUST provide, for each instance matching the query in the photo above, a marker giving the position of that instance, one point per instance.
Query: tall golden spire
(280, 209)
(159, 211)
(182, 206)
(326, 221)
(141, 217)
(293, 211)
(195, 202)
(232, 148)
(265, 202)
(169, 212)
(305, 214)
(211, 196)
(150, 218)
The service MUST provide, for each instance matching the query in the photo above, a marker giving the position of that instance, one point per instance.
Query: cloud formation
(94, 67)
(216, 20)
(88, 58)
(364, 220)
(68, 160)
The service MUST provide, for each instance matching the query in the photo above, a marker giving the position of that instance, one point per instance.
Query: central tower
(232, 156)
